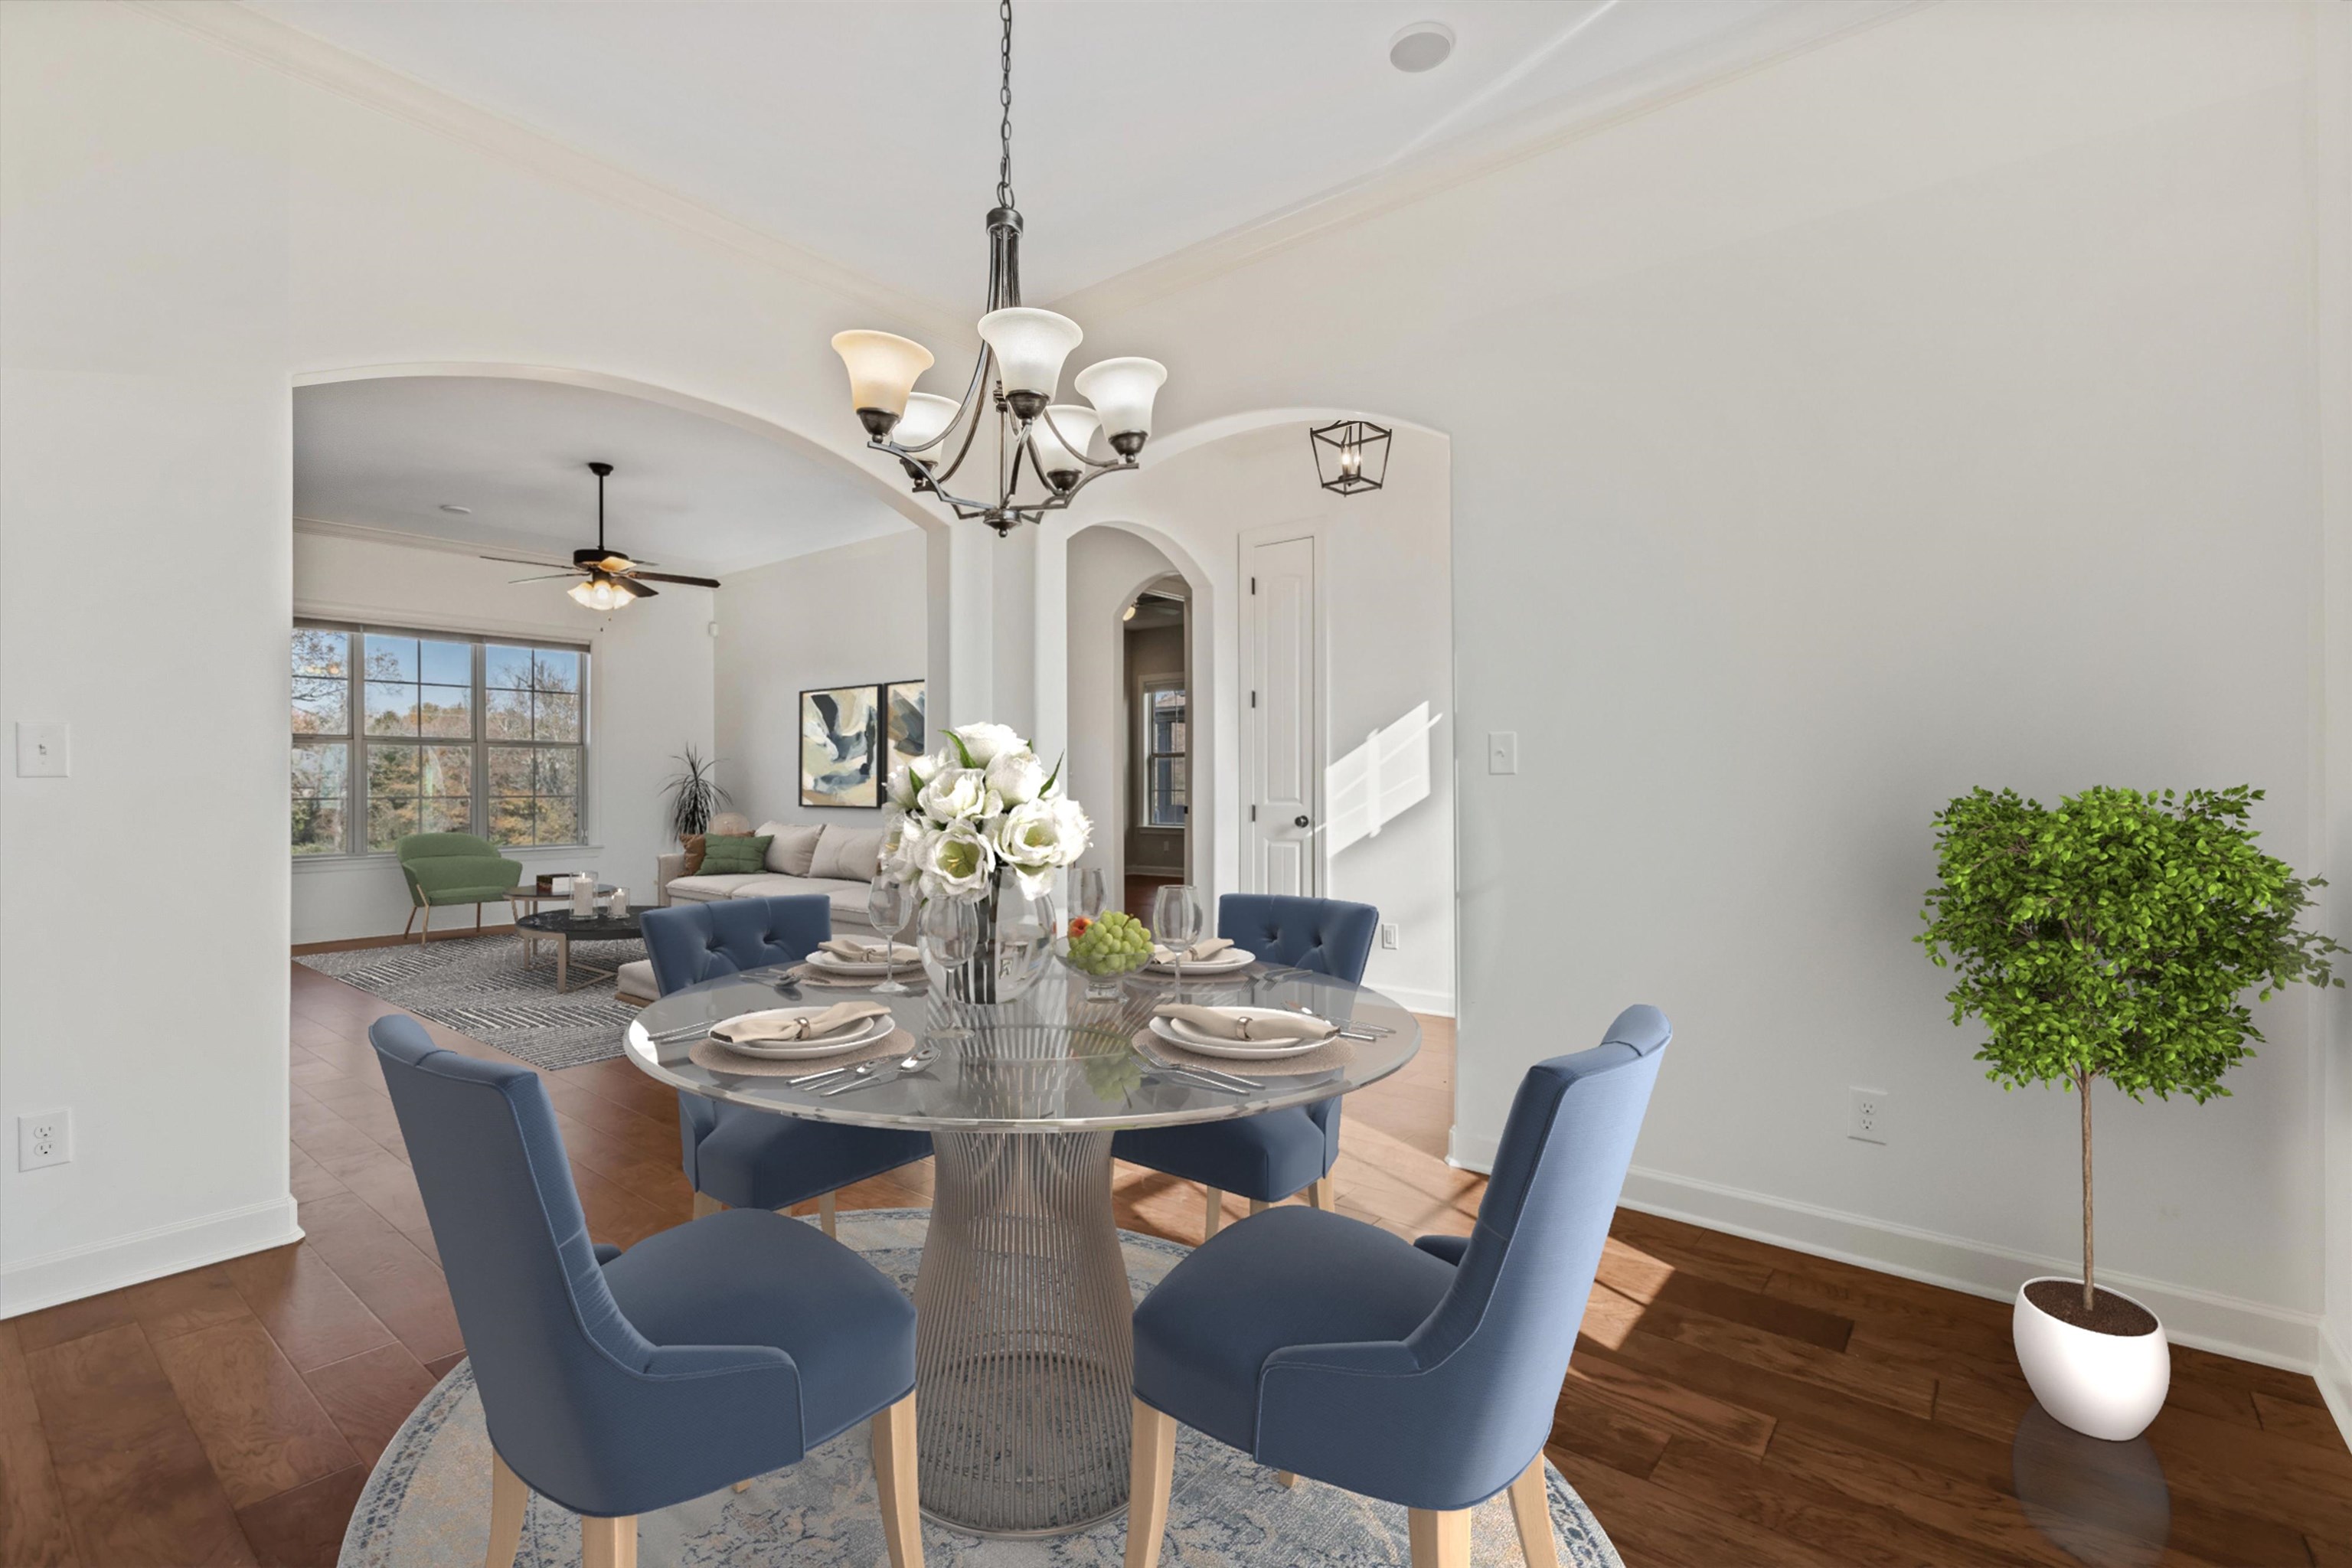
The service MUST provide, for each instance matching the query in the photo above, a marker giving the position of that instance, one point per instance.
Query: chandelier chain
(1004, 102)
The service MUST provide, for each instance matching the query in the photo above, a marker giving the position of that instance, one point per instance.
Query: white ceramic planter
(2103, 1385)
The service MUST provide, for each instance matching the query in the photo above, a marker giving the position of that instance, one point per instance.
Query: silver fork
(1231, 1082)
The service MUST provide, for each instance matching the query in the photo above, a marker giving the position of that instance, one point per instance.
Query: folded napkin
(1208, 947)
(857, 952)
(807, 1027)
(1220, 1024)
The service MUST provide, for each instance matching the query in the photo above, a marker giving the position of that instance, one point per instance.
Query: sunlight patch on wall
(1379, 780)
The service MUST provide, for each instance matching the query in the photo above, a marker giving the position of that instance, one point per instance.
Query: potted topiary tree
(2114, 936)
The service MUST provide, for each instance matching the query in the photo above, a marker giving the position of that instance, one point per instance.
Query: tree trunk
(2083, 1089)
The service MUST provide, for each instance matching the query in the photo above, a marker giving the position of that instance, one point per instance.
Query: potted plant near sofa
(2113, 936)
(694, 794)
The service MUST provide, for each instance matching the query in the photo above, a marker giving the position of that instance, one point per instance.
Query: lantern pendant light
(1022, 354)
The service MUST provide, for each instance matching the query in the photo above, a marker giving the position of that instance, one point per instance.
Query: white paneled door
(1281, 730)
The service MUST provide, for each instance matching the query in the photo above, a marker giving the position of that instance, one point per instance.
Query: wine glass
(890, 905)
(1094, 894)
(1176, 921)
(949, 941)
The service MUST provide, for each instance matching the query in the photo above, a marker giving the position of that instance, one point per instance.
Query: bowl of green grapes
(1105, 949)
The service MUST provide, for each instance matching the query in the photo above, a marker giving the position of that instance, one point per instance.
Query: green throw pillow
(734, 854)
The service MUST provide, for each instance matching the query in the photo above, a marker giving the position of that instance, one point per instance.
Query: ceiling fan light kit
(608, 579)
(1026, 349)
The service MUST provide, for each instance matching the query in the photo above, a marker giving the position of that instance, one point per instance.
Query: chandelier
(1020, 367)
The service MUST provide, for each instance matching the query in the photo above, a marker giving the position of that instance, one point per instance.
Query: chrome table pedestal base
(1024, 1349)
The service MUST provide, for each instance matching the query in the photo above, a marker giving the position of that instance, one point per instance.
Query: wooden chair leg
(1216, 1214)
(1286, 1477)
(742, 1486)
(705, 1203)
(1323, 1196)
(1532, 1511)
(510, 1499)
(477, 920)
(609, 1542)
(1440, 1539)
(426, 934)
(894, 1479)
(409, 930)
(1151, 1472)
(827, 1218)
(1258, 1206)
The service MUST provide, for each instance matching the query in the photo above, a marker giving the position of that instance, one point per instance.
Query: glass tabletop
(1049, 1062)
(563, 922)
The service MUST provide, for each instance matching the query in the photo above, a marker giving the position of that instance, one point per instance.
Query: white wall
(1387, 643)
(184, 233)
(649, 693)
(1931, 409)
(849, 617)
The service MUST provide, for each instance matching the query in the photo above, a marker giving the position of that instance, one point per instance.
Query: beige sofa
(832, 859)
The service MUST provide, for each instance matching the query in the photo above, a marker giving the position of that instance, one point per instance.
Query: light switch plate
(44, 751)
(1503, 750)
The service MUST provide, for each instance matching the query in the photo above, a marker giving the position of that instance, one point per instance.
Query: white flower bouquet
(980, 804)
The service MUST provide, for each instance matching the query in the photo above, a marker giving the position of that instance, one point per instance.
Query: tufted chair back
(584, 1408)
(1327, 936)
(1484, 1368)
(688, 943)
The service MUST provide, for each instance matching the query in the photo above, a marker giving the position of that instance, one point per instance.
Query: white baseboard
(1413, 999)
(1469, 1153)
(2334, 1377)
(100, 1266)
(2203, 1319)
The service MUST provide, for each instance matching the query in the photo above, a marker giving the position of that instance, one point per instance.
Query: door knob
(1299, 821)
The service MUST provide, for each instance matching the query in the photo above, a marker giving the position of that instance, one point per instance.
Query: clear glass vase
(999, 954)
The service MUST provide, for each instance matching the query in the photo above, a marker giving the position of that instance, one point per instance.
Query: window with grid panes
(397, 732)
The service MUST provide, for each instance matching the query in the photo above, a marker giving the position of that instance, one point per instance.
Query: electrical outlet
(1503, 750)
(1388, 935)
(1866, 1114)
(44, 1139)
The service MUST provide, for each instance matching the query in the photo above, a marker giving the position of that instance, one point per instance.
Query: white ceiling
(687, 490)
(868, 131)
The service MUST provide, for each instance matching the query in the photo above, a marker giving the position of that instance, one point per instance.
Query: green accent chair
(453, 868)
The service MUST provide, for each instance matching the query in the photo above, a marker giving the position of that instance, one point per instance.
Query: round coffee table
(563, 925)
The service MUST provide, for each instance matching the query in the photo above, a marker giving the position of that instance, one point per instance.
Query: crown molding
(294, 53)
(1795, 29)
(400, 539)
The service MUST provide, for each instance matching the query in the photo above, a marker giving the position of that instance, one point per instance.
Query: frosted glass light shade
(1030, 348)
(882, 369)
(1122, 391)
(926, 418)
(600, 594)
(1075, 423)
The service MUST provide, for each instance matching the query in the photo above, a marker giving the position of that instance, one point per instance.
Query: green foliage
(695, 795)
(2116, 934)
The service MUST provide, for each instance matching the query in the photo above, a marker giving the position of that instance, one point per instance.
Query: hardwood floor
(1729, 1403)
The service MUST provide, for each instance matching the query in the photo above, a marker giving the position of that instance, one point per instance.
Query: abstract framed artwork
(903, 735)
(841, 738)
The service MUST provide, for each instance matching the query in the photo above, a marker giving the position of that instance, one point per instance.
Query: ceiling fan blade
(547, 577)
(672, 577)
(521, 560)
(636, 589)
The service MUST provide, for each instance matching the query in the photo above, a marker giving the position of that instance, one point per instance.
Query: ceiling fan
(608, 579)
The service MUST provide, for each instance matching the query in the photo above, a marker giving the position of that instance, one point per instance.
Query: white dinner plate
(864, 1032)
(1174, 1032)
(1230, 958)
(834, 963)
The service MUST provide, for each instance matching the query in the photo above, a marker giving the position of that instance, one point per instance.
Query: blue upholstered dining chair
(618, 1383)
(1423, 1375)
(1267, 1158)
(736, 1157)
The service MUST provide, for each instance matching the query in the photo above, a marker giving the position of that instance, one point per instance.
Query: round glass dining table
(1025, 1356)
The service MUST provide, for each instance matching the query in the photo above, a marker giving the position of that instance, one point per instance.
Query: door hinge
(1253, 584)
(1253, 698)
(1253, 814)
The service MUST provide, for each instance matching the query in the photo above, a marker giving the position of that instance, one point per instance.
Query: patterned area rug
(481, 987)
(428, 1501)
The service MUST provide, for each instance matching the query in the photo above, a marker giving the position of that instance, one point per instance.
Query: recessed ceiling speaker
(1422, 47)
